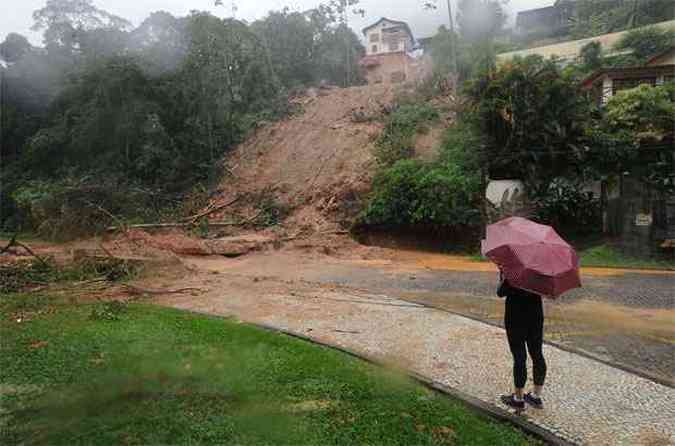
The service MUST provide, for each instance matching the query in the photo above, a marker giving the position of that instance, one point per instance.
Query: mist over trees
(153, 107)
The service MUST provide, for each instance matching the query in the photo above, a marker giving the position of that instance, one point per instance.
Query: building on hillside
(389, 53)
(605, 83)
(549, 21)
(642, 218)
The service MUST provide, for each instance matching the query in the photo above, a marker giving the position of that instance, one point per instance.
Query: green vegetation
(632, 136)
(413, 192)
(137, 374)
(643, 44)
(142, 115)
(533, 118)
(606, 256)
(541, 127)
(397, 141)
(409, 193)
(595, 17)
(18, 276)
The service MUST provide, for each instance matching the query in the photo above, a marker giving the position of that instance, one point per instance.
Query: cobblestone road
(638, 290)
(621, 342)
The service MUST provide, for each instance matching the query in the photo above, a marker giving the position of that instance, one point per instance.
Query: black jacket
(521, 305)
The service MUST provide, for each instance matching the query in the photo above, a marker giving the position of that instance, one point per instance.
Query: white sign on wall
(643, 220)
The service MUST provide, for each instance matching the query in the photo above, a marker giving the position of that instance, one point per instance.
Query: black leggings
(530, 333)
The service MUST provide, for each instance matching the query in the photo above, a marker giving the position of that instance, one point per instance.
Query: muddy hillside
(315, 167)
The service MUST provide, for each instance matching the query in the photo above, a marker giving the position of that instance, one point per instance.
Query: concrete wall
(570, 50)
(499, 190)
(646, 219)
(398, 68)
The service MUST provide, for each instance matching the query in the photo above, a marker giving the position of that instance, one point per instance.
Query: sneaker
(510, 400)
(534, 401)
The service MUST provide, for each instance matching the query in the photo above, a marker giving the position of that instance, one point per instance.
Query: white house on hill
(389, 47)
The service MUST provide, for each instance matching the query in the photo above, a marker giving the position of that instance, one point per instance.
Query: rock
(237, 246)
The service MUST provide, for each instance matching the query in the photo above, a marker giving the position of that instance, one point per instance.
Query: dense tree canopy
(14, 47)
(156, 105)
(533, 117)
(595, 17)
(306, 48)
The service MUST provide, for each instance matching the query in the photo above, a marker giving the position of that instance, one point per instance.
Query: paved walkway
(587, 402)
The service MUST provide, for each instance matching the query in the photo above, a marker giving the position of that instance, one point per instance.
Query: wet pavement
(640, 290)
(609, 384)
(586, 401)
(636, 297)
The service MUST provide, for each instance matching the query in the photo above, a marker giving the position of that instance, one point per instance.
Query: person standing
(524, 323)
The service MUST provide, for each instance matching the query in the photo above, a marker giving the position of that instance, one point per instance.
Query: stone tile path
(587, 402)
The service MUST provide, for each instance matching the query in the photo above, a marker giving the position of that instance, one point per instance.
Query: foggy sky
(16, 15)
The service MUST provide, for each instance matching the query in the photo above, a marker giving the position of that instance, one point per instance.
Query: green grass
(606, 256)
(152, 375)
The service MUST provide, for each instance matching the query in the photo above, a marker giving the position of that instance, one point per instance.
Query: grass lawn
(138, 374)
(604, 256)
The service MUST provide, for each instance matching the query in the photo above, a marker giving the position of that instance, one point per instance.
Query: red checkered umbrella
(532, 256)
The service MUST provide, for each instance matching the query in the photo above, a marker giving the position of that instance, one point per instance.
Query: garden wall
(643, 219)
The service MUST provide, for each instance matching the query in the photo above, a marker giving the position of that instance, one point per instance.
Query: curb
(624, 368)
(479, 406)
(476, 404)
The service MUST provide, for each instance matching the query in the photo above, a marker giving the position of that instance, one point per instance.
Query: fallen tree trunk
(15, 242)
(170, 225)
(138, 290)
(183, 225)
(210, 211)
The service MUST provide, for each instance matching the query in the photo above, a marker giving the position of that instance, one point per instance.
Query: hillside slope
(312, 170)
(317, 164)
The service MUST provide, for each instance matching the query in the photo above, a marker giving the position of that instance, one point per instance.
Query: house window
(667, 79)
(373, 49)
(393, 46)
(374, 38)
(627, 84)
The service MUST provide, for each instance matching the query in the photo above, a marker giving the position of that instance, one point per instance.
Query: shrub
(566, 207)
(645, 43)
(533, 118)
(81, 206)
(397, 141)
(412, 192)
(462, 145)
(633, 135)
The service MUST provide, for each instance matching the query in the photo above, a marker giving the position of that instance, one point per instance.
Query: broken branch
(138, 290)
(11, 243)
(210, 211)
(15, 242)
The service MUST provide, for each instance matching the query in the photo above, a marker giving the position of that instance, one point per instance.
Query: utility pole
(348, 50)
(453, 40)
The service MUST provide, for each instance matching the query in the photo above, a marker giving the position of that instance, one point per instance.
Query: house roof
(395, 22)
(660, 55)
(628, 72)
